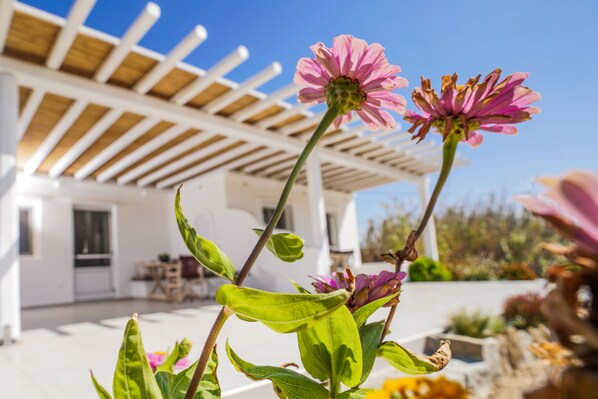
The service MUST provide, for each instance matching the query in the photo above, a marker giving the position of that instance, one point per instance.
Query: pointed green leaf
(133, 377)
(204, 250)
(370, 336)
(291, 383)
(179, 352)
(332, 349)
(361, 315)
(282, 313)
(175, 386)
(410, 363)
(285, 246)
(356, 393)
(299, 288)
(102, 393)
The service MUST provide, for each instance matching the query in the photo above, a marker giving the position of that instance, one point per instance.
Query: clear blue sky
(556, 41)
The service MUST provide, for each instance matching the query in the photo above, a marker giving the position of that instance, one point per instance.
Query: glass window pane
(25, 244)
(92, 236)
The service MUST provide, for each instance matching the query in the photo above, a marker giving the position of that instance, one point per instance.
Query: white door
(93, 255)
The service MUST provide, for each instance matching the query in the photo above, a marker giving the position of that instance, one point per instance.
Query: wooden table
(340, 260)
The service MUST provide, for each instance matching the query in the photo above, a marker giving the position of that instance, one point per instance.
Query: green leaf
(102, 393)
(283, 313)
(361, 315)
(179, 352)
(299, 288)
(291, 383)
(370, 336)
(204, 250)
(285, 246)
(175, 386)
(356, 393)
(332, 349)
(410, 363)
(133, 377)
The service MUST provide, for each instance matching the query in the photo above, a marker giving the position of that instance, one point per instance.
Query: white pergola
(78, 104)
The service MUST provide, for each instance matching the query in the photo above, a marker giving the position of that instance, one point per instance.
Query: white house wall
(141, 219)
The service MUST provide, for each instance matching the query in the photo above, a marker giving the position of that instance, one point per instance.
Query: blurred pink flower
(368, 288)
(464, 109)
(155, 359)
(570, 205)
(355, 76)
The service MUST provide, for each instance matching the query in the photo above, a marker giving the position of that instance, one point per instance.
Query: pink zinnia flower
(355, 77)
(489, 106)
(571, 206)
(368, 288)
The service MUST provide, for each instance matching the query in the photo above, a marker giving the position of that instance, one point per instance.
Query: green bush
(426, 269)
(474, 269)
(475, 324)
(517, 271)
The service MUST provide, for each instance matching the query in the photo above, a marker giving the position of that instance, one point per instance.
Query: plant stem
(326, 121)
(449, 149)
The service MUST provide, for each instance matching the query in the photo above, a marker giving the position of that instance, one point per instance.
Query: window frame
(286, 219)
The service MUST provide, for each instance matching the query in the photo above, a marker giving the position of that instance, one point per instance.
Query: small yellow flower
(420, 388)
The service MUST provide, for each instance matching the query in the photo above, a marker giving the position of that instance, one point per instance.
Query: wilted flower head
(464, 109)
(368, 288)
(354, 76)
(571, 206)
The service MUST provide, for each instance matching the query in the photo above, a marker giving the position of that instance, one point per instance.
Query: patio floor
(51, 317)
(54, 361)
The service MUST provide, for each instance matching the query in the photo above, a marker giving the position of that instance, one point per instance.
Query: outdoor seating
(174, 281)
(193, 277)
(340, 260)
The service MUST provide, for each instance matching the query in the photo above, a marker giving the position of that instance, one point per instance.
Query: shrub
(426, 269)
(523, 311)
(517, 271)
(475, 324)
(474, 269)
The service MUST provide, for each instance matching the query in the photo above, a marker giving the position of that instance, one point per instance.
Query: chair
(339, 260)
(174, 282)
(193, 274)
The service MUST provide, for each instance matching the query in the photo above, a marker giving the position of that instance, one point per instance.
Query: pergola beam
(164, 157)
(272, 99)
(6, 11)
(182, 50)
(119, 98)
(139, 153)
(231, 96)
(186, 160)
(197, 169)
(282, 116)
(223, 67)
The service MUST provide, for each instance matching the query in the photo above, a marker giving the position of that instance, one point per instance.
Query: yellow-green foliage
(484, 236)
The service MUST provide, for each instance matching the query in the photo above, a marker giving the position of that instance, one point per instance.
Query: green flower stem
(326, 121)
(449, 149)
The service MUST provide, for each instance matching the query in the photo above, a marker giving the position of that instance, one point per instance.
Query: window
(286, 220)
(25, 232)
(92, 238)
(332, 230)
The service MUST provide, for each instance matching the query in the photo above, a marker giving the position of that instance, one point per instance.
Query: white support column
(429, 235)
(10, 308)
(317, 212)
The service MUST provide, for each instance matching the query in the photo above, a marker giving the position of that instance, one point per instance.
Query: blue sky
(556, 41)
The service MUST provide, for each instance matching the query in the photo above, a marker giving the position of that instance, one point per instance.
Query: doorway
(93, 254)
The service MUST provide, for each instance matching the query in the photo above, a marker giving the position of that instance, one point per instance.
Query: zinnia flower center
(456, 126)
(344, 93)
